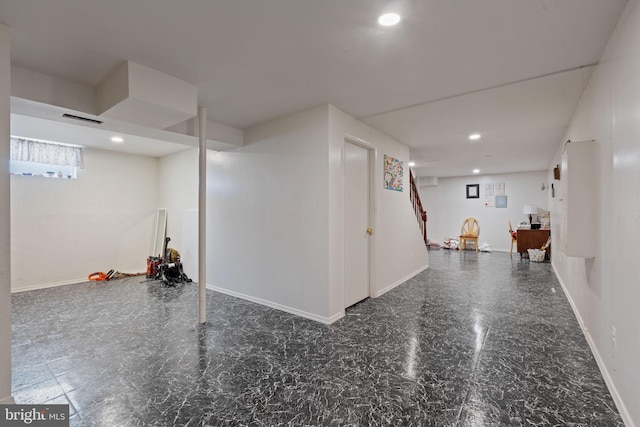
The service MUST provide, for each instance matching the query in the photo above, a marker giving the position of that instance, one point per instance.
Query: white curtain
(27, 150)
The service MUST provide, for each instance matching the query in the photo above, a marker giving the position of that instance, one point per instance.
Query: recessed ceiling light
(412, 164)
(117, 139)
(475, 136)
(389, 19)
(476, 171)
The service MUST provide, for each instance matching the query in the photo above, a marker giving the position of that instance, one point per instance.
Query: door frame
(372, 158)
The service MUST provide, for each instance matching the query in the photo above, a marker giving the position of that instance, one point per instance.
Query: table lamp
(530, 210)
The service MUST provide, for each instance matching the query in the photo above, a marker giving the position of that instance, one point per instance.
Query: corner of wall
(5, 217)
(267, 194)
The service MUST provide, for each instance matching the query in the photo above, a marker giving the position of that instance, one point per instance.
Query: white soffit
(93, 137)
(138, 94)
(219, 137)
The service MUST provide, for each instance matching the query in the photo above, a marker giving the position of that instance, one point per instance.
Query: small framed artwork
(392, 173)
(473, 191)
(488, 189)
(501, 201)
(489, 201)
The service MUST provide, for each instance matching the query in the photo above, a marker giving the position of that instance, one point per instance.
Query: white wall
(70, 228)
(267, 216)
(178, 193)
(447, 206)
(399, 250)
(604, 290)
(274, 216)
(5, 220)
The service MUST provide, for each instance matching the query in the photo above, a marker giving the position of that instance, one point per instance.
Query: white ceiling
(510, 70)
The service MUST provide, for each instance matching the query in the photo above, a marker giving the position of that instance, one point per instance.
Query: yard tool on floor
(101, 276)
(168, 268)
(120, 275)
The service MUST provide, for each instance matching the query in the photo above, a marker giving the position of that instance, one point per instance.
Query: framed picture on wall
(501, 201)
(489, 201)
(393, 172)
(488, 189)
(473, 191)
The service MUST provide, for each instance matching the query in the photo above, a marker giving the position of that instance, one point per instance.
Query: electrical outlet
(614, 340)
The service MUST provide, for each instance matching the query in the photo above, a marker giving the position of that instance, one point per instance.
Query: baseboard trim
(67, 282)
(277, 306)
(336, 317)
(49, 285)
(399, 282)
(622, 409)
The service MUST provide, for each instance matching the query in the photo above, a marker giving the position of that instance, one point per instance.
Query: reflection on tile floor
(479, 339)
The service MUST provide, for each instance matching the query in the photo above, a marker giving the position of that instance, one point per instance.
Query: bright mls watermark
(34, 415)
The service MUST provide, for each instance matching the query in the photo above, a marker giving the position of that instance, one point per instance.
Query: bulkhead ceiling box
(138, 94)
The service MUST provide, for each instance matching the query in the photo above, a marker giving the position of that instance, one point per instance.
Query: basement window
(30, 157)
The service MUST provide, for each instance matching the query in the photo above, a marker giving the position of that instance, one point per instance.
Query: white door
(356, 223)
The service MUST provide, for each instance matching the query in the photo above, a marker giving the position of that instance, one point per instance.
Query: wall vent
(84, 119)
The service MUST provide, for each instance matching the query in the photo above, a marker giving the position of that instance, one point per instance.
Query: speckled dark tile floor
(476, 340)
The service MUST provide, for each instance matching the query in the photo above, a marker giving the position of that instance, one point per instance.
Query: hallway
(479, 339)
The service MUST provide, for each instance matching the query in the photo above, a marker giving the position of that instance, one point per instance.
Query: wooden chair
(514, 236)
(470, 231)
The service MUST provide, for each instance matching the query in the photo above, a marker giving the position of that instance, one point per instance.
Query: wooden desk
(531, 239)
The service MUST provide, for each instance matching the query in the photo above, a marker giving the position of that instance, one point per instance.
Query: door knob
(369, 231)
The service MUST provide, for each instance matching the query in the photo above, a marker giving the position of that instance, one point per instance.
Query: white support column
(202, 214)
(5, 219)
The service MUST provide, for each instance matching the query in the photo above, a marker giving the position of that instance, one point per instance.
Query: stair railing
(421, 214)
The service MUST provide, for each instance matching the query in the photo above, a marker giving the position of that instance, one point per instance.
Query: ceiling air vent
(84, 119)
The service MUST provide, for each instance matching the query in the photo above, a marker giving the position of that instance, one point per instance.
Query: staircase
(421, 214)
